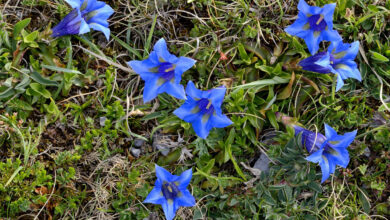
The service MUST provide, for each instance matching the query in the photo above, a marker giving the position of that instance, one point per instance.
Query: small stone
(262, 163)
(102, 120)
(135, 152)
(138, 143)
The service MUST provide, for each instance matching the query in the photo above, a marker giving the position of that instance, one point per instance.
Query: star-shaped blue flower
(329, 150)
(162, 72)
(339, 59)
(203, 109)
(86, 14)
(342, 56)
(170, 191)
(314, 24)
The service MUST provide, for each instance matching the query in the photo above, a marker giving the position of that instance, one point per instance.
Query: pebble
(135, 152)
(138, 143)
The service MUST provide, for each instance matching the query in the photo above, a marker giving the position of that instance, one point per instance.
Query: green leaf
(262, 83)
(20, 26)
(130, 49)
(379, 57)
(60, 69)
(40, 90)
(30, 38)
(20, 105)
(42, 80)
(229, 150)
(7, 93)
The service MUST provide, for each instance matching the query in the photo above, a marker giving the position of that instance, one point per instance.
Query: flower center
(170, 190)
(166, 70)
(317, 22)
(205, 106)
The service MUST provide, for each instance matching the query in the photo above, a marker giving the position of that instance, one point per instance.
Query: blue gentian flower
(170, 191)
(329, 150)
(342, 56)
(86, 14)
(339, 59)
(162, 72)
(203, 109)
(314, 24)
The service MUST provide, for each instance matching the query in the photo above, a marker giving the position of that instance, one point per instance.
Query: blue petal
(315, 157)
(151, 88)
(348, 69)
(184, 179)
(162, 52)
(340, 83)
(184, 112)
(312, 42)
(220, 121)
(297, 28)
(325, 168)
(74, 3)
(185, 199)
(201, 126)
(143, 67)
(338, 155)
(170, 208)
(100, 15)
(331, 35)
(164, 175)
(304, 7)
(99, 27)
(329, 131)
(155, 196)
(84, 27)
(328, 11)
(192, 91)
(173, 89)
(216, 97)
(352, 51)
(343, 141)
(183, 64)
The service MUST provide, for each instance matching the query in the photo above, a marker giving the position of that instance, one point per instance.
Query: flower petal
(186, 110)
(184, 179)
(74, 3)
(170, 208)
(151, 88)
(201, 126)
(338, 155)
(220, 121)
(329, 131)
(304, 7)
(183, 64)
(343, 141)
(340, 82)
(325, 168)
(173, 89)
(328, 11)
(185, 199)
(298, 27)
(155, 196)
(312, 41)
(316, 156)
(192, 91)
(99, 27)
(163, 174)
(216, 96)
(162, 52)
